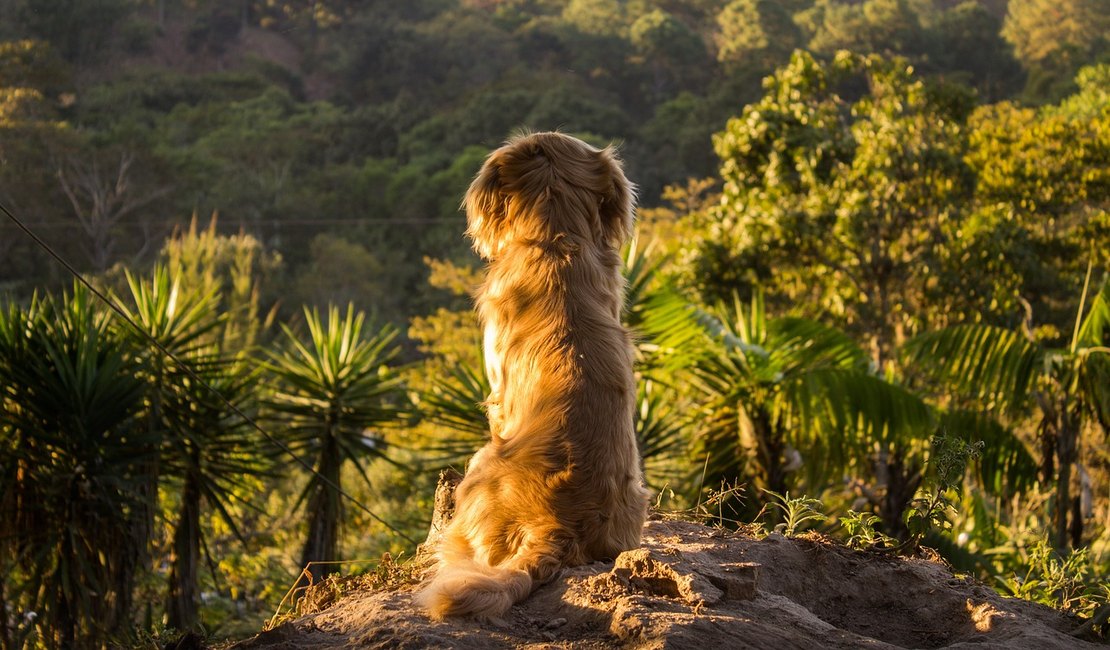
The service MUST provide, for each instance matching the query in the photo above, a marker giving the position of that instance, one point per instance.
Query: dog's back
(559, 483)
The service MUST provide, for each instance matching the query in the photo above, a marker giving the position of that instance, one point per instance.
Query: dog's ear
(485, 205)
(616, 207)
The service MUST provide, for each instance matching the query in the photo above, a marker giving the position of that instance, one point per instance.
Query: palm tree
(75, 463)
(1008, 373)
(330, 396)
(775, 395)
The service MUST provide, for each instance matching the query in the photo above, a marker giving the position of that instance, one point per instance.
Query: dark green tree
(75, 521)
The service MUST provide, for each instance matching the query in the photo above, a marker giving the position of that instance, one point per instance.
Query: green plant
(933, 508)
(1008, 374)
(332, 396)
(73, 517)
(796, 511)
(862, 533)
(775, 396)
(1062, 581)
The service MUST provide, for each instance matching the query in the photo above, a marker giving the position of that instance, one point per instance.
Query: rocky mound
(690, 586)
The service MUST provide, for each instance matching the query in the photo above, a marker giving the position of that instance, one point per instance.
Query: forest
(869, 290)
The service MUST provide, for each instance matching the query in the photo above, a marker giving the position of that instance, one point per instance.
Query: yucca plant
(332, 394)
(213, 453)
(207, 450)
(181, 320)
(74, 513)
(1006, 373)
(455, 403)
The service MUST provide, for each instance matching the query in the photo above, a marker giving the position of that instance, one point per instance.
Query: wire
(192, 375)
(293, 222)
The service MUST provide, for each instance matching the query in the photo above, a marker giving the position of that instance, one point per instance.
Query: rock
(693, 588)
(444, 507)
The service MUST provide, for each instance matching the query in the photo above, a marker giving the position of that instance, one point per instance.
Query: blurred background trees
(864, 227)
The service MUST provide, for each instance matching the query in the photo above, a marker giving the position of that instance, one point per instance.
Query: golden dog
(559, 484)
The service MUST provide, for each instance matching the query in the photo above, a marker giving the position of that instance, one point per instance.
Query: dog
(560, 483)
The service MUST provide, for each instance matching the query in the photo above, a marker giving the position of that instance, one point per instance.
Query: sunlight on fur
(559, 483)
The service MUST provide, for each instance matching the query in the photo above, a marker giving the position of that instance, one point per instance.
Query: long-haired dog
(559, 484)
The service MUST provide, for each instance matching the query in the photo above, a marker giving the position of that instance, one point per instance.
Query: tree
(101, 198)
(330, 397)
(758, 33)
(30, 128)
(206, 446)
(844, 206)
(886, 27)
(673, 52)
(964, 42)
(1051, 39)
(75, 521)
(599, 17)
(1048, 171)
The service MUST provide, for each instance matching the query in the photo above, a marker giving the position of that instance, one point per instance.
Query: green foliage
(74, 469)
(756, 31)
(862, 532)
(196, 405)
(933, 510)
(796, 512)
(80, 30)
(766, 388)
(1054, 48)
(334, 395)
(1063, 582)
(846, 214)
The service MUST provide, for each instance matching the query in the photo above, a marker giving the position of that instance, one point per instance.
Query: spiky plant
(208, 450)
(74, 513)
(332, 395)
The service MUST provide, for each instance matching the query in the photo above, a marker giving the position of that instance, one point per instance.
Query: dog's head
(541, 187)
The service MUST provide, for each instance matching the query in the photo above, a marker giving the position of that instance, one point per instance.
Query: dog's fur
(559, 484)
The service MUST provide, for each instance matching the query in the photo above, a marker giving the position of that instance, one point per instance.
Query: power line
(192, 375)
(278, 223)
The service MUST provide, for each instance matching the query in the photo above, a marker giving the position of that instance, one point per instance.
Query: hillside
(694, 587)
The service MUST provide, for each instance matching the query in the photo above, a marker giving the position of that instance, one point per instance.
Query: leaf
(994, 366)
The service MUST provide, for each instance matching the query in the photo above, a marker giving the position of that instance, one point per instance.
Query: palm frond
(835, 414)
(659, 432)
(994, 366)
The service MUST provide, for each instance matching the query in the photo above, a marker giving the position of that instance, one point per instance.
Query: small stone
(555, 623)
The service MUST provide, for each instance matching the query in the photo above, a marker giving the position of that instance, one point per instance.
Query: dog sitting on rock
(559, 484)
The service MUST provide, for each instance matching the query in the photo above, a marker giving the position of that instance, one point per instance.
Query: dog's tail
(471, 588)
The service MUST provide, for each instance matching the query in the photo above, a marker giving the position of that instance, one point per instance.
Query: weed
(860, 527)
(934, 509)
(796, 511)
(388, 573)
(1059, 581)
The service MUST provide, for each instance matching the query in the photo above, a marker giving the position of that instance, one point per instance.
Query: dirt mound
(700, 588)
